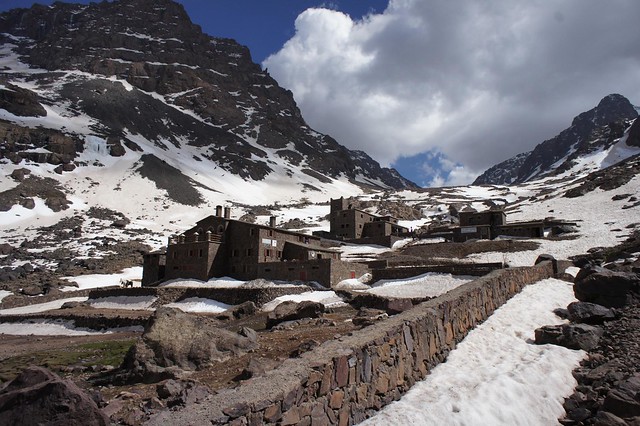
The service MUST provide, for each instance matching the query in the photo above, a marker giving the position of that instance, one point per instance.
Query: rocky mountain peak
(610, 108)
(141, 67)
(596, 129)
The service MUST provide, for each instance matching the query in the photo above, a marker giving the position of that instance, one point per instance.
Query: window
(234, 253)
(175, 254)
(267, 269)
(190, 253)
(278, 254)
(249, 252)
(201, 253)
(252, 231)
(361, 215)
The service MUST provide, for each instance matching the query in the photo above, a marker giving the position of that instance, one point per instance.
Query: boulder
(624, 400)
(290, 311)
(38, 396)
(589, 313)
(19, 174)
(604, 418)
(181, 392)
(608, 288)
(572, 336)
(174, 341)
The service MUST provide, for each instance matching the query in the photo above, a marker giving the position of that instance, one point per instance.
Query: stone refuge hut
(489, 224)
(219, 246)
(357, 226)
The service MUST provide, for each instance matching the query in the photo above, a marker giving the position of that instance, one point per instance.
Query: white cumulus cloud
(476, 82)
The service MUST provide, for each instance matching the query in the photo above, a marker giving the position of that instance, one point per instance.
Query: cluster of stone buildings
(489, 224)
(218, 246)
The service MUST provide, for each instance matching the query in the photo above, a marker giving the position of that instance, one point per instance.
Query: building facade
(219, 246)
(358, 226)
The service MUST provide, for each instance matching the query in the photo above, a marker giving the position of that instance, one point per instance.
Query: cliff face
(596, 129)
(141, 67)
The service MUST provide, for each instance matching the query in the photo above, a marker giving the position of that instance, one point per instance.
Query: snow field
(41, 307)
(425, 285)
(103, 280)
(496, 375)
(124, 302)
(200, 305)
(328, 298)
(57, 328)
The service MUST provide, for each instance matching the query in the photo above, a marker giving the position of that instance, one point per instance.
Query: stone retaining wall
(230, 296)
(346, 380)
(16, 301)
(476, 270)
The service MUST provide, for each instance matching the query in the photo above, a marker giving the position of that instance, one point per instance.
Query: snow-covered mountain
(591, 141)
(131, 96)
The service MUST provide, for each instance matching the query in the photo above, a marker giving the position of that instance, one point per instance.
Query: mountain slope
(137, 77)
(593, 131)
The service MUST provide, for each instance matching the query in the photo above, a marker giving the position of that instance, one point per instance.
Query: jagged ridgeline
(134, 70)
(594, 130)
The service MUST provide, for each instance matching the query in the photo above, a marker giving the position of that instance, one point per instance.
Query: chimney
(219, 211)
(272, 221)
(227, 212)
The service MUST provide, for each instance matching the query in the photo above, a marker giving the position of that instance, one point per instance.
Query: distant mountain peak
(591, 130)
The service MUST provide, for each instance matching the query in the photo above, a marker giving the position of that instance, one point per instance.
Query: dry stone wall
(346, 380)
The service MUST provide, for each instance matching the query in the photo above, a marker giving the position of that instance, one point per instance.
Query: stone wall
(18, 300)
(476, 270)
(348, 379)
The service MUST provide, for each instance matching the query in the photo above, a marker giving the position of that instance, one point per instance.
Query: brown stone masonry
(346, 380)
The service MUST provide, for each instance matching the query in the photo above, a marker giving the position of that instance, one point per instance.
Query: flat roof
(256, 225)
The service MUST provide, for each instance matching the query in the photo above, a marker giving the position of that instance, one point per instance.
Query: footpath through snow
(497, 375)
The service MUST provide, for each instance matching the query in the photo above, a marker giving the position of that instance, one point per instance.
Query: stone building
(353, 225)
(489, 224)
(219, 246)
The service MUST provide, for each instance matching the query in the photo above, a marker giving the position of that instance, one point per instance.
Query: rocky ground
(608, 390)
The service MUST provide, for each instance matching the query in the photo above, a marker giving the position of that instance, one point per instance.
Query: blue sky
(440, 90)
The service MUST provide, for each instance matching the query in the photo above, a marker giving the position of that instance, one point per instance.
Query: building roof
(256, 225)
(313, 247)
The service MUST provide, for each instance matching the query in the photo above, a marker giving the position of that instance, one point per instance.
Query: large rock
(624, 400)
(38, 396)
(290, 311)
(589, 313)
(572, 336)
(608, 288)
(175, 341)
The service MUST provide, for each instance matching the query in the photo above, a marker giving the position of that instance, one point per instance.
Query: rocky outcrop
(589, 313)
(605, 287)
(20, 102)
(291, 311)
(572, 336)
(175, 341)
(38, 396)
